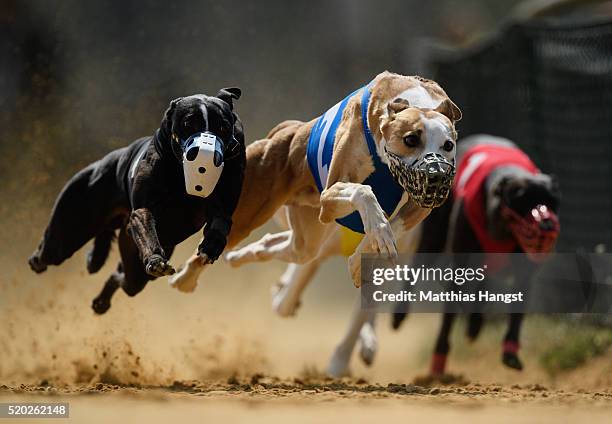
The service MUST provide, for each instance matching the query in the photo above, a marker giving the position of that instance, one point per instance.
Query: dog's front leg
(341, 199)
(141, 227)
(405, 220)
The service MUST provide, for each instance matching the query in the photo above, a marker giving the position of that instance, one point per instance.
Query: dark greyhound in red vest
(501, 203)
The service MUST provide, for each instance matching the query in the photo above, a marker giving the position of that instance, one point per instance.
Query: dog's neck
(373, 123)
(380, 149)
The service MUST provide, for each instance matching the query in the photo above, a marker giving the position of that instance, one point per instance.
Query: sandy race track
(271, 400)
(221, 355)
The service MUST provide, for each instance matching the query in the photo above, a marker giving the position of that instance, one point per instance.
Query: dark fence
(548, 87)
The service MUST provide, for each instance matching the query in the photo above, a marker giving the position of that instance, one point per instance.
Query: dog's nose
(436, 168)
(440, 168)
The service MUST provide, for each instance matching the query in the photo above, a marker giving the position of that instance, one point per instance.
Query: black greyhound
(140, 191)
(511, 209)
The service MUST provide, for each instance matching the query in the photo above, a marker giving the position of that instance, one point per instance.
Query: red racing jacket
(474, 168)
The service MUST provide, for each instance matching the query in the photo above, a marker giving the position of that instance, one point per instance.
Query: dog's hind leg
(510, 356)
(102, 302)
(438, 361)
(287, 292)
(261, 250)
(475, 321)
(339, 362)
(82, 208)
(299, 245)
(98, 254)
(368, 340)
(186, 278)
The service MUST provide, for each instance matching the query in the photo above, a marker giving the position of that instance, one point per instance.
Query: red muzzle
(536, 232)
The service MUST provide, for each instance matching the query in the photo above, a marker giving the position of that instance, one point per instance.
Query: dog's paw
(233, 258)
(339, 363)
(101, 304)
(369, 344)
(396, 319)
(282, 303)
(36, 264)
(157, 266)
(382, 239)
(511, 360)
(354, 264)
(185, 280)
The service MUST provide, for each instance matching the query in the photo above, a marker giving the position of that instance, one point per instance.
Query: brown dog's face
(411, 132)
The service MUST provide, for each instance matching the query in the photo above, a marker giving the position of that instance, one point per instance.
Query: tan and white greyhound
(408, 118)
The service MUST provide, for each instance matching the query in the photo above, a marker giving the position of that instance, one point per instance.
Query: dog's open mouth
(428, 180)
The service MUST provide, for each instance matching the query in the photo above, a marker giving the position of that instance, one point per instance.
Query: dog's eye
(412, 140)
(189, 120)
(448, 146)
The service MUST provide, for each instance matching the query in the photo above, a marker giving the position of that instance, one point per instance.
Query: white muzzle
(202, 163)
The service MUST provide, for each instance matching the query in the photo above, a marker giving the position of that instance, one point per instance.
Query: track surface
(214, 355)
(265, 399)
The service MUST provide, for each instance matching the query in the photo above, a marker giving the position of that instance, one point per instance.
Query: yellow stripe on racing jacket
(349, 240)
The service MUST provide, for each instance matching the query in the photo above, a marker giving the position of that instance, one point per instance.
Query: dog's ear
(229, 94)
(450, 110)
(554, 183)
(167, 120)
(553, 187)
(495, 196)
(393, 107)
(396, 106)
(499, 190)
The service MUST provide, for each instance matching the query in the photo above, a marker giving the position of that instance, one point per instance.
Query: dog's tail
(98, 254)
(283, 125)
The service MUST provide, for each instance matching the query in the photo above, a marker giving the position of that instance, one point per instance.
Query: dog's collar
(365, 102)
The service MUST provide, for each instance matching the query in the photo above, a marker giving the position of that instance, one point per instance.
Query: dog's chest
(402, 202)
(182, 218)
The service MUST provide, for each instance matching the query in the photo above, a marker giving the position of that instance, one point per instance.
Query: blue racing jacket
(321, 148)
